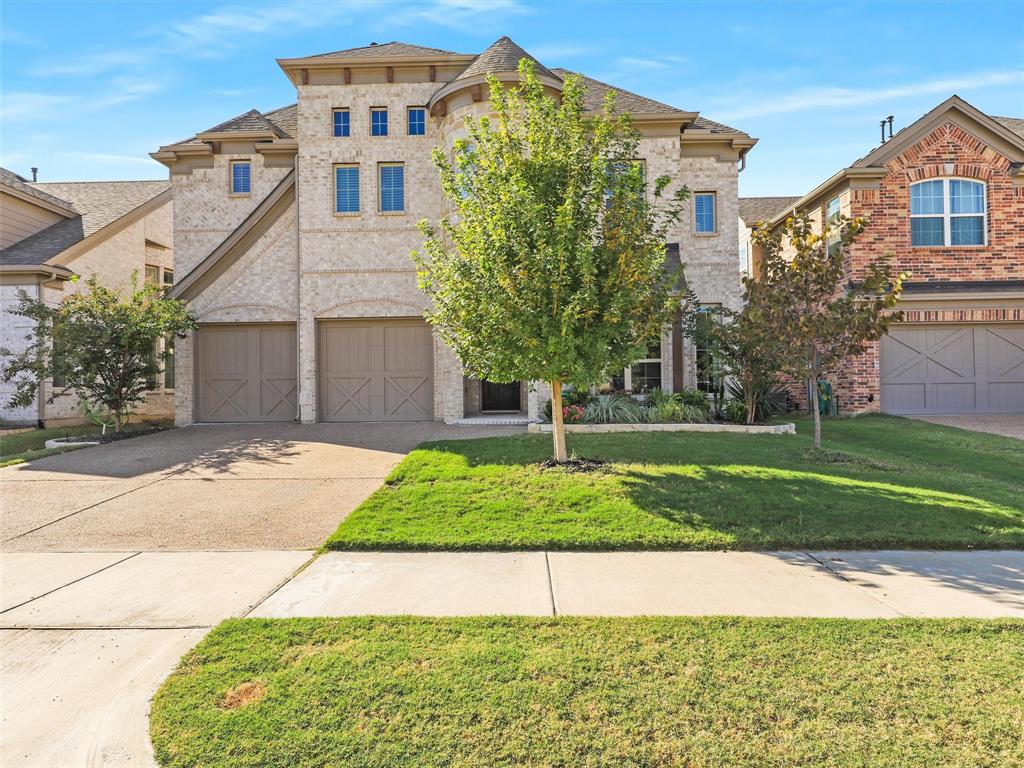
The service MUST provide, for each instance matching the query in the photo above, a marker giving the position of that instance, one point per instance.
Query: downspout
(743, 163)
(298, 297)
(40, 394)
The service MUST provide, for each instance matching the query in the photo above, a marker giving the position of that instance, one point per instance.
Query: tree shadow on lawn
(760, 507)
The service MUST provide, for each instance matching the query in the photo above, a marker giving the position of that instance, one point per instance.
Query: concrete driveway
(1006, 424)
(117, 559)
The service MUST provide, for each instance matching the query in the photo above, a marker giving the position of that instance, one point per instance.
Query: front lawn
(693, 692)
(29, 444)
(883, 482)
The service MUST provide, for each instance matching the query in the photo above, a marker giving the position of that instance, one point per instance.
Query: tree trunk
(750, 398)
(817, 414)
(117, 422)
(557, 425)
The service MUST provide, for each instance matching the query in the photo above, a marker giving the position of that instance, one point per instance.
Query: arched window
(947, 212)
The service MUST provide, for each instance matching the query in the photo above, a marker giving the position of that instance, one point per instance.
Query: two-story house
(51, 233)
(945, 199)
(293, 230)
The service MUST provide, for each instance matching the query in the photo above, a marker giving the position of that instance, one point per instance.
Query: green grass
(904, 483)
(19, 447)
(687, 692)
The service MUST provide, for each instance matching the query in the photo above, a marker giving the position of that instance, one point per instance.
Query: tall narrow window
(947, 212)
(346, 189)
(704, 213)
(241, 177)
(169, 362)
(709, 374)
(379, 121)
(341, 122)
(832, 219)
(644, 375)
(392, 187)
(417, 121)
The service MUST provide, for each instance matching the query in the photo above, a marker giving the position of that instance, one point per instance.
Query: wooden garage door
(376, 370)
(953, 369)
(246, 372)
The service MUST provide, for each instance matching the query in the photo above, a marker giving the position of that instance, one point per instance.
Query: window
(644, 375)
(241, 177)
(168, 277)
(619, 169)
(832, 210)
(152, 275)
(169, 362)
(379, 121)
(341, 122)
(704, 213)
(947, 212)
(417, 121)
(346, 189)
(392, 187)
(708, 373)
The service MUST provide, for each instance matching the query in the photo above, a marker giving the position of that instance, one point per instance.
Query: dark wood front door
(499, 397)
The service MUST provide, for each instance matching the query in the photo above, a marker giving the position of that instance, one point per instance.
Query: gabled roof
(755, 209)
(23, 188)
(503, 55)
(383, 51)
(247, 122)
(99, 203)
(1015, 124)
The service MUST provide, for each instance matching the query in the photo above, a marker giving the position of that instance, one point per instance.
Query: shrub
(658, 397)
(768, 397)
(736, 411)
(614, 409)
(690, 396)
(572, 414)
(570, 396)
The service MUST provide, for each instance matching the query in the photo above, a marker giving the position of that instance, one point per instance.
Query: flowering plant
(572, 414)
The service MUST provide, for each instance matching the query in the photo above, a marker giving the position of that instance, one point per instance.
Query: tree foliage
(815, 314)
(550, 265)
(102, 343)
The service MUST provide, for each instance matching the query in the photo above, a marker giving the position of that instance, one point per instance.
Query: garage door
(376, 370)
(246, 372)
(953, 369)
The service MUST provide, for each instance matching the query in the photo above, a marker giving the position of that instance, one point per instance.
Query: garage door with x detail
(350, 396)
(924, 353)
(226, 397)
(408, 396)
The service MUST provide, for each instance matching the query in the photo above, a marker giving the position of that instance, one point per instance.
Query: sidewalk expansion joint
(551, 585)
(856, 586)
(74, 581)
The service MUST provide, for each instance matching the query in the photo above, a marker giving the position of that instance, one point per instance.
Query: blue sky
(88, 89)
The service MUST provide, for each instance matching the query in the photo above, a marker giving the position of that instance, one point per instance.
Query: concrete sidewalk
(826, 584)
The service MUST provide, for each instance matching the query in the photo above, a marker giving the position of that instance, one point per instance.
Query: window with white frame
(346, 189)
(644, 375)
(378, 121)
(241, 177)
(832, 210)
(947, 212)
(391, 187)
(709, 374)
(704, 213)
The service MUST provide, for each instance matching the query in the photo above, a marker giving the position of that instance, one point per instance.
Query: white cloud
(90, 64)
(461, 15)
(554, 53)
(823, 98)
(26, 105)
(630, 62)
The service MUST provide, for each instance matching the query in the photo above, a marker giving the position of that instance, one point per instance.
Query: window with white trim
(346, 189)
(947, 212)
(708, 369)
(644, 375)
(241, 177)
(704, 213)
(378, 121)
(391, 182)
(832, 210)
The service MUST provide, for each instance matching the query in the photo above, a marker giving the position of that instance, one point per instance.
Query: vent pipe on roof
(35, 173)
(889, 121)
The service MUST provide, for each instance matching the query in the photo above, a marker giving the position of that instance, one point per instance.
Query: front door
(499, 397)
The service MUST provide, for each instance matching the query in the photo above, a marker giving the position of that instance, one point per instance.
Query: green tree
(102, 343)
(806, 302)
(551, 266)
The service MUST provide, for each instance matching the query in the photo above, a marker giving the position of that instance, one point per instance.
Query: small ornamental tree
(102, 343)
(551, 266)
(815, 316)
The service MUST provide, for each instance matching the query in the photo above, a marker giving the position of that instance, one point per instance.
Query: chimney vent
(35, 174)
(374, 43)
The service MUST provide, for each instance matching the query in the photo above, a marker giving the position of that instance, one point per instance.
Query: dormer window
(241, 177)
(417, 121)
(342, 126)
(379, 121)
(946, 212)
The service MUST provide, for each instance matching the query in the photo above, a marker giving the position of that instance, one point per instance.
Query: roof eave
(846, 174)
(67, 212)
(54, 270)
(292, 67)
(456, 85)
(238, 136)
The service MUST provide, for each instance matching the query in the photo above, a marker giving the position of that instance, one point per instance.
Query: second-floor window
(417, 121)
(392, 187)
(704, 213)
(346, 189)
(947, 212)
(832, 219)
(342, 126)
(241, 177)
(379, 121)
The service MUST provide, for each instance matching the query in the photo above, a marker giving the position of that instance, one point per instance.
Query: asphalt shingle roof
(253, 120)
(99, 202)
(1015, 124)
(503, 55)
(12, 179)
(384, 50)
(627, 101)
(754, 209)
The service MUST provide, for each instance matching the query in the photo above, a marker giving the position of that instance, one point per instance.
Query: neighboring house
(945, 197)
(293, 230)
(51, 232)
(754, 210)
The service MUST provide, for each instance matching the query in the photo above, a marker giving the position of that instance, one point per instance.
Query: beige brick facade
(315, 264)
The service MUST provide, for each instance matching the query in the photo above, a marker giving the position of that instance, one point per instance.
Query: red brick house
(945, 197)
